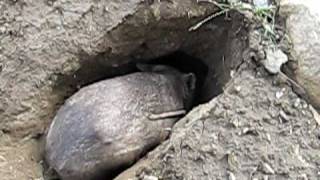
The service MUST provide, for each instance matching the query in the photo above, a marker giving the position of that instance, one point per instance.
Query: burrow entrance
(211, 54)
(189, 64)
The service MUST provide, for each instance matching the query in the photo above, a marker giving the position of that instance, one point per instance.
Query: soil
(20, 159)
(257, 129)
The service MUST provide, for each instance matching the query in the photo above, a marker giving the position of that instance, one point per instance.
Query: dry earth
(257, 129)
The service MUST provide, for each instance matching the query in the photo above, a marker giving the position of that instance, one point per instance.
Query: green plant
(265, 16)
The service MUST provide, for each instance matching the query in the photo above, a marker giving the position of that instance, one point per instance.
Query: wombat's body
(113, 122)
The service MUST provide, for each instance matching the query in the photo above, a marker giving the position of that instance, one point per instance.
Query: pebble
(2, 30)
(268, 136)
(150, 178)
(284, 117)
(266, 168)
(231, 176)
(304, 105)
(261, 3)
(235, 122)
(237, 89)
(232, 73)
(297, 103)
(303, 177)
(275, 59)
(280, 93)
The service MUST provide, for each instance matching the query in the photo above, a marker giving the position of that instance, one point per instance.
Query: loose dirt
(258, 129)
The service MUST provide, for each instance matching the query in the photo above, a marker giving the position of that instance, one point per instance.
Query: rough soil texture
(257, 129)
(20, 159)
(44, 42)
(50, 48)
(303, 28)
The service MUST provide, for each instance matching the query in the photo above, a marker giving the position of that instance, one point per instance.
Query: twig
(195, 27)
(169, 114)
(315, 115)
(294, 83)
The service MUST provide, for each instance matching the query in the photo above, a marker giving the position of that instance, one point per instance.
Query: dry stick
(223, 7)
(167, 114)
(195, 27)
(295, 84)
(316, 115)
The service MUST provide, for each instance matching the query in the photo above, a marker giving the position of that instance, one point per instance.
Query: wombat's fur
(111, 123)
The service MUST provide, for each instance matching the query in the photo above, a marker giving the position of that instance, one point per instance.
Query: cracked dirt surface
(258, 129)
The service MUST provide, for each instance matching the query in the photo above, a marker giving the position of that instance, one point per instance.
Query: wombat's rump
(111, 123)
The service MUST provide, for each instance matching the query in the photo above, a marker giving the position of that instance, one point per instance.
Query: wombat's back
(106, 124)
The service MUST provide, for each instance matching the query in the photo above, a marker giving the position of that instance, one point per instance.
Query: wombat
(112, 123)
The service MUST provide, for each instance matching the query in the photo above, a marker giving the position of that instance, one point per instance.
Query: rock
(266, 168)
(231, 176)
(110, 124)
(275, 59)
(150, 178)
(261, 3)
(303, 28)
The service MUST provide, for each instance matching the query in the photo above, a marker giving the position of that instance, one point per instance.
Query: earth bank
(257, 129)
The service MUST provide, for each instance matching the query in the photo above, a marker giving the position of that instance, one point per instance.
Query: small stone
(296, 103)
(244, 130)
(106, 9)
(284, 116)
(232, 73)
(2, 30)
(268, 136)
(261, 3)
(249, 131)
(237, 89)
(232, 161)
(305, 105)
(19, 18)
(275, 59)
(265, 177)
(150, 178)
(233, 1)
(267, 169)
(231, 176)
(302, 177)
(235, 122)
(279, 94)
(207, 148)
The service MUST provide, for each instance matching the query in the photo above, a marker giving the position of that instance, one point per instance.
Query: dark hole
(94, 70)
(110, 174)
(187, 64)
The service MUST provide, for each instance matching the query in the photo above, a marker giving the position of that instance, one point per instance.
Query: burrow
(212, 53)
